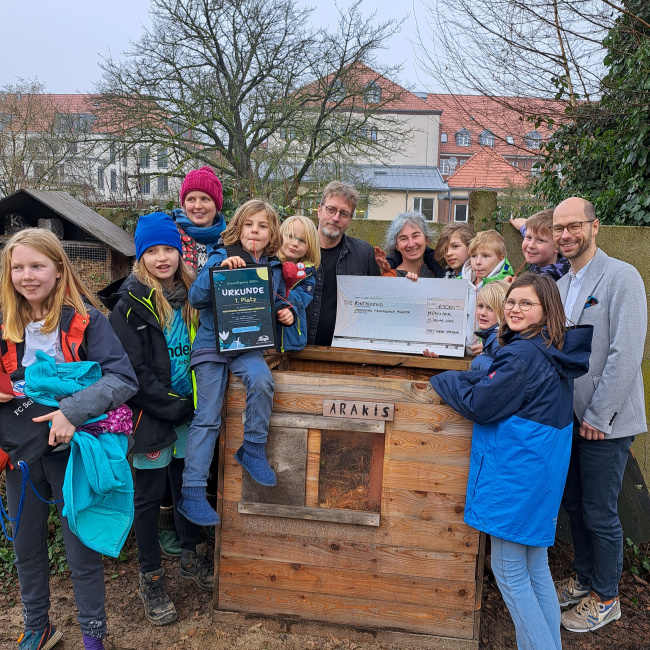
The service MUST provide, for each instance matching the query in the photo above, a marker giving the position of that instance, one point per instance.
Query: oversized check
(398, 315)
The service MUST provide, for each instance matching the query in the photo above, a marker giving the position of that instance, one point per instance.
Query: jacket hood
(490, 339)
(572, 360)
(111, 294)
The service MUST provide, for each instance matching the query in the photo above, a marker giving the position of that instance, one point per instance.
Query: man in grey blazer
(608, 407)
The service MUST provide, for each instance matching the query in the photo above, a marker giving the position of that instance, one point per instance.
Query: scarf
(176, 296)
(208, 235)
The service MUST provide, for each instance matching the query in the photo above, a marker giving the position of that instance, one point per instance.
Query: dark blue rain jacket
(522, 407)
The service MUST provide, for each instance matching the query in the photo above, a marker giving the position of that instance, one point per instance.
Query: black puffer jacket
(156, 408)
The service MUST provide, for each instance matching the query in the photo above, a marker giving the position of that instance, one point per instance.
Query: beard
(581, 248)
(332, 232)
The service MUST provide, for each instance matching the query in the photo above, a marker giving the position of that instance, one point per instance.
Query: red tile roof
(487, 170)
(504, 116)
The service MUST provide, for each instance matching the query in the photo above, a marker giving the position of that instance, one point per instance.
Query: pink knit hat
(203, 180)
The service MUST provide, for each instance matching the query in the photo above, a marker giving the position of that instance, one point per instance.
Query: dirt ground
(199, 628)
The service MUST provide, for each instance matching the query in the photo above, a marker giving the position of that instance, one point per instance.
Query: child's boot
(170, 542)
(197, 566)
(42, 639)
(92, 643)
(252, 457)
(158, 607)
(194, 507)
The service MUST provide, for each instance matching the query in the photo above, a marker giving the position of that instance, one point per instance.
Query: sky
(61, 43)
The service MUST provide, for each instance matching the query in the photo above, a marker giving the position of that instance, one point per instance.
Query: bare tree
(42, 145)
(251, 88)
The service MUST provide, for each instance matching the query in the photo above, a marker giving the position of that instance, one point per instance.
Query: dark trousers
(30, 546)
(590, 498)
(150, 487)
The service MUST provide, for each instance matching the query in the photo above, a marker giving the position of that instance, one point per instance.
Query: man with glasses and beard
(340, 255)
(608, 409)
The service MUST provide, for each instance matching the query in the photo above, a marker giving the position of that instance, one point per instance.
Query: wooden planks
(415, 571)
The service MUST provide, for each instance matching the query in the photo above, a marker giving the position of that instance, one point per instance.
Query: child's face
(34, 277)
(255, 234)
(456, 254)
(294, 243)
(485, 317)
(522, 309)
(200, 208)
(539, 248)
(162, 262)
(483, 262)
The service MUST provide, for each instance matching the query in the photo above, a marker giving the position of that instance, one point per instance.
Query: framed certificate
(244, 314)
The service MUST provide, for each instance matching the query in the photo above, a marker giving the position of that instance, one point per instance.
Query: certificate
(242, 301)
(398, 315)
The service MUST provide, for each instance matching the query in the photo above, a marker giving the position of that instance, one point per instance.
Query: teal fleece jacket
(98, 491)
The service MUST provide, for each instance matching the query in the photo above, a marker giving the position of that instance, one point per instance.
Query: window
(163, 185)
(536, 169)
(460, 212)
(145, 184)
(5, 120)
(372, 93)
(424, 207)
(486, 139)
(112, 153)
(510, 139)
(100, 178)
(443, 138)
(74, 122)
(444, 167)
(463, 138)
(113, 180)
(338, 91)
(143, 159)
(163, 157)
(533, 139)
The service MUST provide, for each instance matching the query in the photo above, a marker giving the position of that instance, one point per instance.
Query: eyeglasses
(290, 237)
(574, 227)
(332, 212)
(524, 305)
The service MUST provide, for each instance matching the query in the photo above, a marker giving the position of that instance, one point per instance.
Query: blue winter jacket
(490, 347)
(521, 444)
(200, 293)
(302, 293)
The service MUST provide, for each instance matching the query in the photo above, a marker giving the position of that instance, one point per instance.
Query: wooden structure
(100, 251)
(365, 527)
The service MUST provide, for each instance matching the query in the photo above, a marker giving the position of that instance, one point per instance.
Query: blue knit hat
(156, 229)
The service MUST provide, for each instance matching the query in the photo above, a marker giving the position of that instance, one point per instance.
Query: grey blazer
(610, 396)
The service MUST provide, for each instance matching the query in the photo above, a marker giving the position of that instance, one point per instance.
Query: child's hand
(413, 277)
(234, 262)
(509, 279)
(4, 397)
(431, 355)
(477, 348)
(61, 430)
(517, 223)
(380, 258)
(285, 316)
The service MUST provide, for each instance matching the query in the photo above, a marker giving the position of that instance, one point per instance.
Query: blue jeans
(30, 546)
(211, 381)
(590, 498)
(526, 585)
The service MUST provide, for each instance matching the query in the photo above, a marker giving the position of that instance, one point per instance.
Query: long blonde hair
(312, 256)
(185, 275)
(68, 290)
(232, 233)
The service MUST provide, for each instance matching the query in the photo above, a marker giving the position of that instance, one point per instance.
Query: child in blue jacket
(299, 247)
(489, 315)
(522, 407)
(252, 236)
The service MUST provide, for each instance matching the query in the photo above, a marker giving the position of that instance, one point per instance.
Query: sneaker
(197, 566)
(170, 543)
(158, 607)
(570, 591)
(591, 613)
(43, 639)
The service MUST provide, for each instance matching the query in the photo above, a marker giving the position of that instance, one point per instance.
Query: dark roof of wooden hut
(86, 224)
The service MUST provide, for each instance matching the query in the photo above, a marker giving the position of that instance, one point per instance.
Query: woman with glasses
(522, 407)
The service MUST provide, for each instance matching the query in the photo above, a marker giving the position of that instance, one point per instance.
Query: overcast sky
(60, 43)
